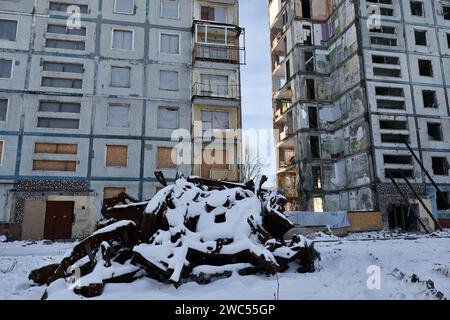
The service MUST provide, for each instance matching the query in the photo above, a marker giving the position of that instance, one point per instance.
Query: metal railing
(220, 53)
(216, 91)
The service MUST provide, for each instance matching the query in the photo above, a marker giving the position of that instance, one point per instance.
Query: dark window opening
(307, 32)
(394, 138)
(310, 89)
(312, 118)
(306, 9)
(393, 125)
(386, 60)
(446, 12)
(425, 68)
(382, 72)
(440, 166)
(397, 159)
(443, 201)
(387, 91)
(421, 37)
(317, 177)
(288, 70)
(390, 104)
(397, 173)
(416, 8)
(448, 40)
(434, 131)
(429, 99)
(315, 147)
(309, 61)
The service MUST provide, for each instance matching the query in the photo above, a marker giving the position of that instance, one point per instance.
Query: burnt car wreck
(194, 230)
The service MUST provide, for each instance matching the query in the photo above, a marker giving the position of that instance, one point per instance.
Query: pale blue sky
(256, 75)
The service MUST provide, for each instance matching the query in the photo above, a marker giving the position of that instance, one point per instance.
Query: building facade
(91, 92)
(353, 79)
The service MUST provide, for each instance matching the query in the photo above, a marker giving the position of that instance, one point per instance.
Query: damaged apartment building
(352, 81)
(88, 106)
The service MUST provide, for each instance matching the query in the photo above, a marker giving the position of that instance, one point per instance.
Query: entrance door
(58, 220)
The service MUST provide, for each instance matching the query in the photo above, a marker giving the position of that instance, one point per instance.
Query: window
(318, 204)
(55, 148)
(120, 77)
(170, 9)
(58, 123)
(116, 156)
(8, 30)
(63, 67)
(6, 68)
(317, 177)
(124, 6)
(65, 44)
(164, 158)
(397, 159)
(3, 109)
(429, 99)
(446, 12)
(56, 106)
(306, 9)
(170, 43)
(440, 166)
(62, 83)
(448, 40)
(168, 118)
(315, 146)
(217, 14)
(310, 89)
(416, 8)
(168, 80)
(1, 152)
(62, 29)
(443, 201)
(122, 39)
(214, 85)
(309, 62)
(425, 68)
(63, 6)
(434, 131)
(421, 37)
(55, 165)
(118, 115)
(111, 192)
(215, 120)
(313, 119)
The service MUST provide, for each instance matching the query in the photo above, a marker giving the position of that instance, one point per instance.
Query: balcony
(219, 53)
(216, 91)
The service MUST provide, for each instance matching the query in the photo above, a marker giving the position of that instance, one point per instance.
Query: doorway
(58, 220)
(402, 217)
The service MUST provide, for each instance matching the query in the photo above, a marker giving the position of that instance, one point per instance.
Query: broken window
(58, 123)
(388, 103)
(429, 99)
(122, 39)
(397, 159)
(62, 29)
(65, 44)
(170, 9)
(168, 118)
(443, 201)
(120, 77)
(446, 12)
(315, 146)
(63, 6)
(55, 148)
(421, 37)
(306, 9)
(62, 83)
(392, 42)
(309, 61)
(6, 68)
(307, 35)
(111, 192)
(389, 91)
(8, 29)
(288, 70)
(440, 166)
(116, 156)
(312, 118)
(317, 177)
(416, 8)
(215, 120)
(56, 106)
(124, 6)
(310, 89)
(168, 80)
(55, 165)
(3, 109)
(63, 67)
(118, 115)
(434, 131)
(391, 104)
(164, 158)
(170, 43)
(425, 68)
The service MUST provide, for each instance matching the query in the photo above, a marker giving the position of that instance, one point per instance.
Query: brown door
(58, 220)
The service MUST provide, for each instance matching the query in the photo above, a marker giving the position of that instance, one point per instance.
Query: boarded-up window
(3, 109)
(58, 123)
(122, 39)
(8, 30)
(213, 159)
(55, 148)
(168, 80)
(54, 165)
(118, 115)
(168, 118)
(111, 192)
(116, 156)
(164, 158)
(120, 77)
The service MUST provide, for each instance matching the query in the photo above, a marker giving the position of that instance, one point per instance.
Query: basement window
(310, 89)
(440, 166)
(421, 37)
(397, 159)
(443, 201)
(429, 99)
(116, 156)
(3, 109)
(312, 118)
(317, 177)
(425, 68)
(315, 146)
(121, 77)
(434, 131)
(416, 8)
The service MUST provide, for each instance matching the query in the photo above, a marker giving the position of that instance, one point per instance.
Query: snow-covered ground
(342, 272)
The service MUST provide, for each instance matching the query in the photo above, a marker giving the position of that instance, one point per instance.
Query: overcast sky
(256, 75)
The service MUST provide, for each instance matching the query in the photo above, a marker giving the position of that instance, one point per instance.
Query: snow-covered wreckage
(194, 230)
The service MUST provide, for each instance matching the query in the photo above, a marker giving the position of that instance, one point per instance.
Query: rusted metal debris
(172, 238)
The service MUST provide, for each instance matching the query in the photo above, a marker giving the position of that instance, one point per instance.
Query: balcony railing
(216, 91)
(219, 53)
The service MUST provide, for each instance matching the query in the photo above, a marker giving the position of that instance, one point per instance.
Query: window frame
(113, 29)
(178, 81)
(13, 62)
(158, 124)
(108, 124)
(17, 29)
(106, 155)
(2, 151)
(111, 80)
(127, 13)
(178, 10)
(170, 34)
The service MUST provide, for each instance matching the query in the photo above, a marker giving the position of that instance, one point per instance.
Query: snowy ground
(342, 272)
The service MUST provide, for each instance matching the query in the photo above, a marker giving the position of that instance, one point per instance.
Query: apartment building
(352, 80)
(88, 106)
